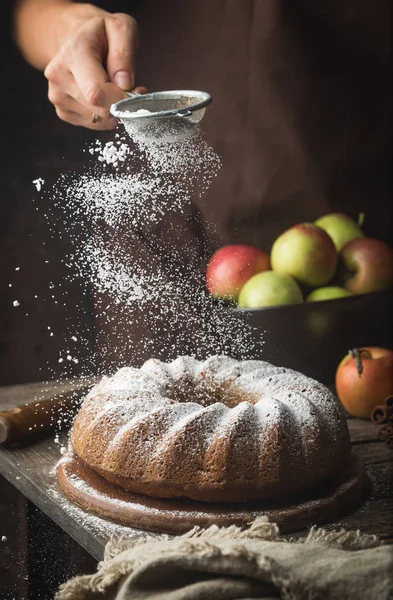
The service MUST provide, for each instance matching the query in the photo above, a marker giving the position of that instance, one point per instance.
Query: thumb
(123, 39)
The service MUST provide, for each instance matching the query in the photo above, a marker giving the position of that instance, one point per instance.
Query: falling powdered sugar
(140, 246)
(39, 182)
(174, 146)
(110, 153)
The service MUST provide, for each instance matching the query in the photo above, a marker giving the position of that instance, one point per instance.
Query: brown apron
(300, 118)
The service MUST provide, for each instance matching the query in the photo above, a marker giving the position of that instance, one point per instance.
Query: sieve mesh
(189, 105)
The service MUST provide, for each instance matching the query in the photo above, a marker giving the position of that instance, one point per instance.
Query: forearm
(40, 26)
(87, 55)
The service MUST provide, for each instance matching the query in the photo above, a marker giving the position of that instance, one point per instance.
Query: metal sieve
(142, 109)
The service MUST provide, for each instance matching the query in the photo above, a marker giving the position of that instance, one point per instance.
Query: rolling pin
(20, 423)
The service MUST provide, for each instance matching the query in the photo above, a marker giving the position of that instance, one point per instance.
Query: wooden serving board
(94, 494)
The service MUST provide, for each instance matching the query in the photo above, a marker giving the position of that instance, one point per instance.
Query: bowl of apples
(323, 288)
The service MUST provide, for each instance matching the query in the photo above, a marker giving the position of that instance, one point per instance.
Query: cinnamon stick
(385, 431)
(379, 414)
(389, 402)
(389, 442)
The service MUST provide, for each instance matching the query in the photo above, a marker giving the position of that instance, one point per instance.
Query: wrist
(69, 17)
(41, 27)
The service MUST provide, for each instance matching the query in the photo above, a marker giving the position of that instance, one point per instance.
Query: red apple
(364, 379)
(307, 253)
(369, 265)
(231, 266)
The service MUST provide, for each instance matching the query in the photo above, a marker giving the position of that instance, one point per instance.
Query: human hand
(94, 66)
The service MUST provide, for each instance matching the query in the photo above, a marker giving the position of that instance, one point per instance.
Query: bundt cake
(220, 430)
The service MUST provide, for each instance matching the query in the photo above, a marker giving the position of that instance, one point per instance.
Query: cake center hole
(207, 391)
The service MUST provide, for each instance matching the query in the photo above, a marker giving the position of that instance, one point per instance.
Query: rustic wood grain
(17, 395)
(372, 452)
(14, 548)
(374, 517)
(32, 471)
(362, 430)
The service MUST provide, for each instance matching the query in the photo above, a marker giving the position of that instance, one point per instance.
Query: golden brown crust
(292, 438)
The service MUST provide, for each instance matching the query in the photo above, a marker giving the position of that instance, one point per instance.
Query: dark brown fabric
(301, 108)
(300, 118)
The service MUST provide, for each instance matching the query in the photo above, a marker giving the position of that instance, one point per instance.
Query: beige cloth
(235, 564)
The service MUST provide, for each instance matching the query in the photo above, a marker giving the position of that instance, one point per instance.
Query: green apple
(341, 228)
(269, 289)
(306, 253)
(328, 293)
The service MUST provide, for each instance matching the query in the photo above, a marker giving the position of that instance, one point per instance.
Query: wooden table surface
(31, 470)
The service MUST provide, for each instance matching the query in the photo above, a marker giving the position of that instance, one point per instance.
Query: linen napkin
(232, 563)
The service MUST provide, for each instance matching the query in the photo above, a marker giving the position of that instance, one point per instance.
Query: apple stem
(356, 354)
(361, 219)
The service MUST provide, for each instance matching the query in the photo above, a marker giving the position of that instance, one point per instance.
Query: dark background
(347, 76)
(34, 143)
(37, 556)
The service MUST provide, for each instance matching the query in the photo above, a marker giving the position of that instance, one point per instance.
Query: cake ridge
(217, 430)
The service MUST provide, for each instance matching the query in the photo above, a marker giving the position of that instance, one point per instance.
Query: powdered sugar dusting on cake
(276, 418)
(130, 380)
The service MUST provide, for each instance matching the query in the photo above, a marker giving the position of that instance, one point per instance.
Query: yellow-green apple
(327, 293)
(364, 379)
(269, 289)
(305, 252)
(341, 228)
(368, 265)
(231, 266)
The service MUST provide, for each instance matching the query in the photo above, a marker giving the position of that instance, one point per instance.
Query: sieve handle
(184, 113)
(133, 94)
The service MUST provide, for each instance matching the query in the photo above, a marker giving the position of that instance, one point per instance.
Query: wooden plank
(373, 452)
(381, 477)
(361, 430)
(17, 395)
(13, 545)
(373, 516)
(32, 471)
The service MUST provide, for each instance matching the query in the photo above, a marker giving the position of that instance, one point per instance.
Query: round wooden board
(94, 494)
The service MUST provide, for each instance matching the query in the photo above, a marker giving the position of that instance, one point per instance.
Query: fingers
(86, 66)
(62, 86)
(101, 88)
(93, 69)
(81, 121)
(123, 40)
(140, 89)
(70, 110)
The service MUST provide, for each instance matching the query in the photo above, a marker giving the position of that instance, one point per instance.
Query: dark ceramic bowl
(314, 337)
